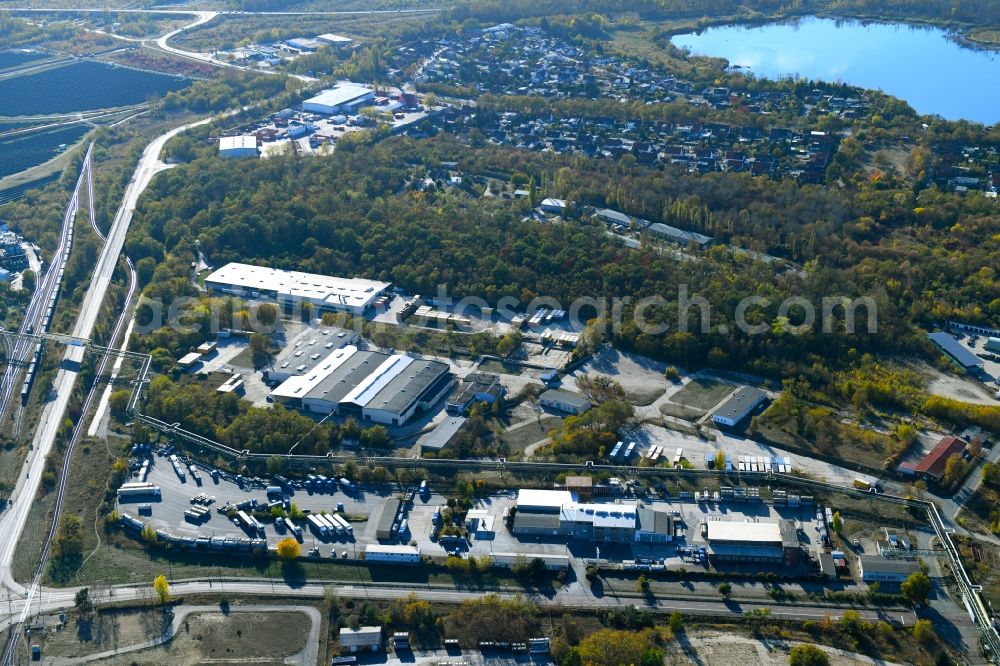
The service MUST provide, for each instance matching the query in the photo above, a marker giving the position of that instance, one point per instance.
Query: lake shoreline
(962, 33)
(936, 71)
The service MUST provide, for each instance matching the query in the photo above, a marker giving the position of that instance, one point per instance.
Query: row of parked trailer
(622, 449)
(46, 323)
(328, 525)
(139, 489)
(200, 542)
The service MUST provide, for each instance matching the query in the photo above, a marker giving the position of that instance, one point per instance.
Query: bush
(807, 654)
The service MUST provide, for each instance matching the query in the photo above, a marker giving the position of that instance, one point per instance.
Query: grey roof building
(739, 405)
(956, 352)
(653, 526)
(877, 568)
(362, 639)
(565, 401)
(679, 235)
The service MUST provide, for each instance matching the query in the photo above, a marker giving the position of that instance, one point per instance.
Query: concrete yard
(168, 512)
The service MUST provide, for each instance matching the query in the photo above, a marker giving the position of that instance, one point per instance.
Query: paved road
(13, 520)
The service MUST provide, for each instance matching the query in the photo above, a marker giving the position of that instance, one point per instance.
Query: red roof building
(933, 464)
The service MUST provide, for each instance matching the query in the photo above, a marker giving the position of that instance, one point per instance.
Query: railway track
(41, 308)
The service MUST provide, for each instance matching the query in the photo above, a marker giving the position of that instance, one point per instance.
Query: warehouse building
(773, 543)
(296, 391)
(238, 146)
(396, 390)
(653, 526)
(564, 401)
(542, 501)
(334, 40)
(343, 98)
(477, 387)
(956, 352)
(557, 513)
(306, 351)
(739, 405)
(362, 639)
(675, 235)
(323, 292)
(367, 385)
(932, 466)
(600, 523)
(874, 568)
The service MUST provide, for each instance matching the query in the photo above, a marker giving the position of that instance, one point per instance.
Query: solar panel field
(81, 86)
(18, 191)
(10, 59)
(23, 152)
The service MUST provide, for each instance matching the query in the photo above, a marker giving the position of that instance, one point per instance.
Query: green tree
(275, 465)
(807, 654)
(916, 588)
(260, 348)
(28, 279)
(725, 589)
(838, 523)
(991, 474)
(376, 437)
(572, 658)
(642, 585)
(118, 404)
(266, 315)
(676, 622)
(954, 470)
(923, 631)
(651, 656)
(82, 602)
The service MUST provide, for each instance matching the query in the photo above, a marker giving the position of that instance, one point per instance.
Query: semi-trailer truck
(342, 523)
(139, 490)
(318, 526)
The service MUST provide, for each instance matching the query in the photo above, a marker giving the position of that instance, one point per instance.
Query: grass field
(680, 411)
(644, 398)
(985, 37)
(702, 394)
(529, 434)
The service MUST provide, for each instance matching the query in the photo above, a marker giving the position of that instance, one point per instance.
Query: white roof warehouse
(368, 384)
(343, 98)
(354, 295)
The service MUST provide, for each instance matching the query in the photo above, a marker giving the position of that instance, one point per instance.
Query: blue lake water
(923, 66)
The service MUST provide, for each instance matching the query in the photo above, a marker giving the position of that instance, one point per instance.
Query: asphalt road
(13, 520)
(572, 597)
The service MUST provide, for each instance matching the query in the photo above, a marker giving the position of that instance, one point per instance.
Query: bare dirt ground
(640, 376)
(957, 388)
(713, 649)
(215, 638)
(106, 631)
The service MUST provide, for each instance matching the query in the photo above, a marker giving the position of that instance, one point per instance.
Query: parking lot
(362, 508)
